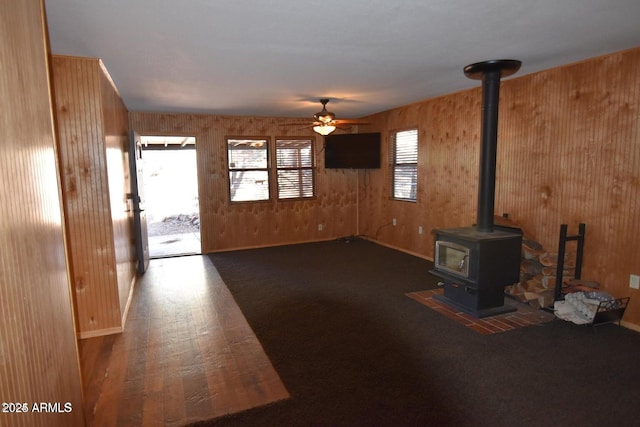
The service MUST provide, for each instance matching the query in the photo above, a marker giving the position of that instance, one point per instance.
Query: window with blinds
(248, 162)
(295, 168)
(404, 175)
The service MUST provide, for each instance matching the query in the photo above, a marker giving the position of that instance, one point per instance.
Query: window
(295, 172)
(248, 169)
(405, 164)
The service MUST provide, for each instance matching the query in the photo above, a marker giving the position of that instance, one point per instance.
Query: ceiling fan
(325, 121)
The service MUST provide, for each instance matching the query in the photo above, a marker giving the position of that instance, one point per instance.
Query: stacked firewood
(538, 271)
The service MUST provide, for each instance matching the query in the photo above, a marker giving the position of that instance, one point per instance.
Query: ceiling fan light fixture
(324, 129)
(324, 116)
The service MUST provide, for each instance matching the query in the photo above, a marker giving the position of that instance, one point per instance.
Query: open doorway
(171, 191)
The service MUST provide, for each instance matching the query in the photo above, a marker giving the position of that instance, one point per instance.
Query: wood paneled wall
(568, 152)
(116, 138)
(38, 351)
(93, 131)
(225, 225)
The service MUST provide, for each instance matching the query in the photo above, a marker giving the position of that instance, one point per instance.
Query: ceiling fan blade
(299, 124)
(351, 122)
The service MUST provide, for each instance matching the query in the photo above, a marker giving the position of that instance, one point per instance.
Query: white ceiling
(278, 57)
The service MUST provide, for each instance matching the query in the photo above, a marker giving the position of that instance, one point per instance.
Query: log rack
(562, 244)
(610, 311)
(607, 311)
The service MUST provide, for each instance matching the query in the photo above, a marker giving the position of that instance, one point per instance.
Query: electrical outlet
(634, 281)
(419, 229)
(394, 222)
(320, 227)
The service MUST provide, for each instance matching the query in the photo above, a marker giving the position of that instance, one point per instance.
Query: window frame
(413, 166)
(267, 168)
(300, 168)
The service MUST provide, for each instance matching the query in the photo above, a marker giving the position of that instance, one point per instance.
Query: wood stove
(477, 262)
(476, 266)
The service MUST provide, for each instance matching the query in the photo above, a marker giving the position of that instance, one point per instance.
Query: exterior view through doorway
(171, 190)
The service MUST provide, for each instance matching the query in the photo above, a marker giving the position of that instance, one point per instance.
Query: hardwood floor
(187, 354)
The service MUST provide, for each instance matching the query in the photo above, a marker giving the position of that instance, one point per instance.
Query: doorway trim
(170, 146)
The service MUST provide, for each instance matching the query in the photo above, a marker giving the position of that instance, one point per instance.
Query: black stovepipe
(490, 72)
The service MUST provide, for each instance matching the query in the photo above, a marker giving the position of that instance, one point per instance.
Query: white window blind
(405, 164)
(295, 171)
(248, 162)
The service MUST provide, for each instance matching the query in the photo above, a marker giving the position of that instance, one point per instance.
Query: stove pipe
(490, 73)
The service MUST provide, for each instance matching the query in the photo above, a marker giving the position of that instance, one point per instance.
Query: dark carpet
(353, 350)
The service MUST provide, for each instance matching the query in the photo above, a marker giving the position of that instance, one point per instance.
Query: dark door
(137, 195)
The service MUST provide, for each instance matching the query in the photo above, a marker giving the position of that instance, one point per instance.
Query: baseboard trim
(100, 332)
(242, 248)
(125, 312)
(630, 325)
(378, 242)
(372, 240)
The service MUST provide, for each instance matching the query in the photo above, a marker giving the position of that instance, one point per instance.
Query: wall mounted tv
(352, 151)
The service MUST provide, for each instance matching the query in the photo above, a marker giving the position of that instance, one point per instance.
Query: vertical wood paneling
(226, 226)
(568, 152)
(93, 132)
(38, 352)
(448, 136)
(116, 135)
(585, 169)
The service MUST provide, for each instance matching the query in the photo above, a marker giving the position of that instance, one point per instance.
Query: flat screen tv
(352, 151)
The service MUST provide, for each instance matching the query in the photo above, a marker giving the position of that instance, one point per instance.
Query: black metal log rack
(607, 311)
(562, 246)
